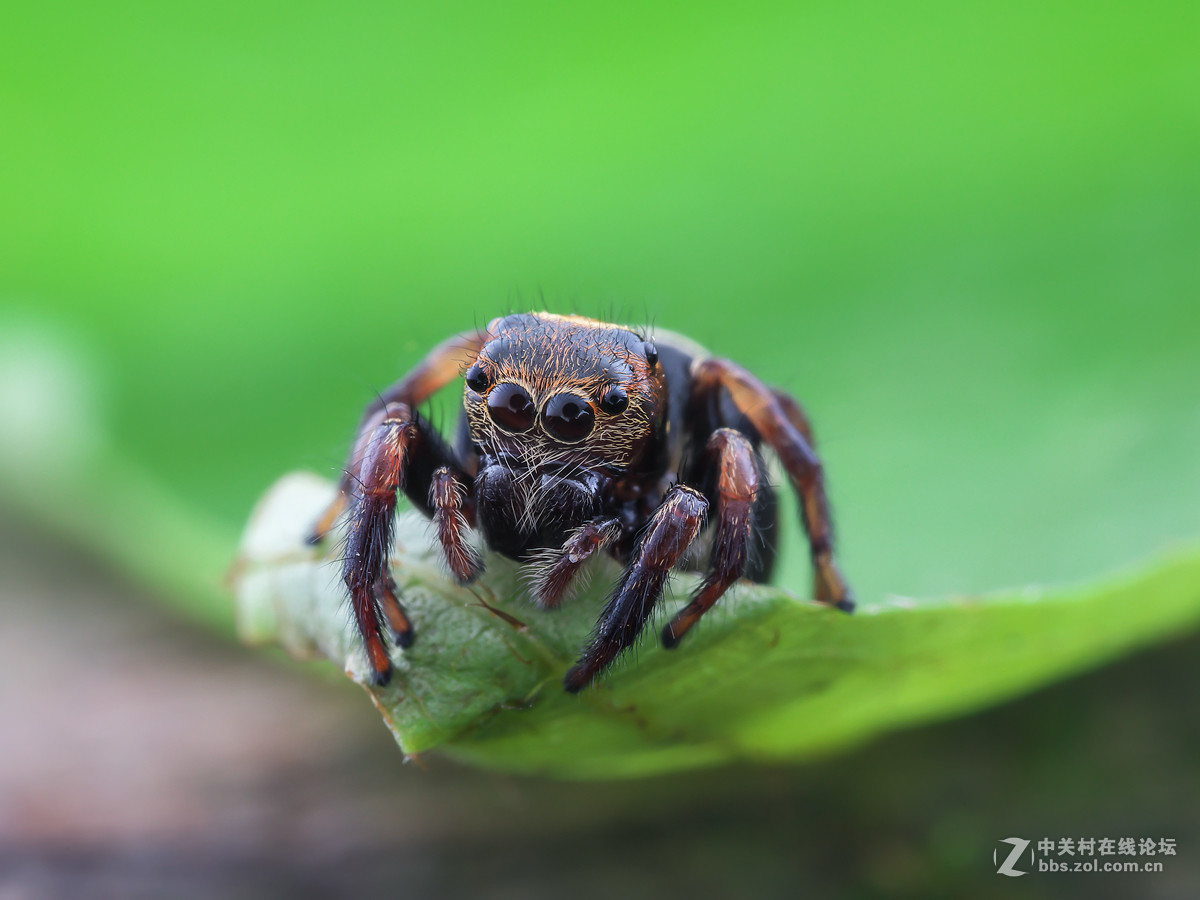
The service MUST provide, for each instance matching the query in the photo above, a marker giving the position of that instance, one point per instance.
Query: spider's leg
(667, 536)
(402, 452)
(449, 495)
(783, 426)
(435, 371)
(393, 611)
(380, 475)
(324, 524)
(730, 454)
(795, 415)
(553, 579)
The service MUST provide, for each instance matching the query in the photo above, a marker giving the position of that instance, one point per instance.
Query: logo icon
(1006, 867)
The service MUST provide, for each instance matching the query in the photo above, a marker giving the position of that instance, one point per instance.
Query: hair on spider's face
(547, 388)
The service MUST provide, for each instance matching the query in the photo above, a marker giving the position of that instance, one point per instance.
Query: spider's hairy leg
(730, 455)
(448, 496)
(783, 427)
(667, 537)
(401, 452)
(393, 611)
(795, 414)
(380, 475)
(440, 366)
(552, 580)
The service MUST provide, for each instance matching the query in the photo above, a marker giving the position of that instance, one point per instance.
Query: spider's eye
(568, 417)
(477, 379)
(614, 401)
(651, 353)
(511, 407)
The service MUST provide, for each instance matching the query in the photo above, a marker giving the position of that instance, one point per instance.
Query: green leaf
(766, 676)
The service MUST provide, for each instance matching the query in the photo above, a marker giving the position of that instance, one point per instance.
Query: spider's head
(562, 404)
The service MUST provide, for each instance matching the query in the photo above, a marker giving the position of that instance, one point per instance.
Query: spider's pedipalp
(448, 497)
(559, 568)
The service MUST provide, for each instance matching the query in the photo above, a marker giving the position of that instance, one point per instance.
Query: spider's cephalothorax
(581, 437)
(560, 411)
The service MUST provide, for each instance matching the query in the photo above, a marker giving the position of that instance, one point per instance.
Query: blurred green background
(966, 236)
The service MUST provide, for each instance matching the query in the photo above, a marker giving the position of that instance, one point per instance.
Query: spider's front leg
(667, 537)
(731, 459)
(399, 451)
(435, 371)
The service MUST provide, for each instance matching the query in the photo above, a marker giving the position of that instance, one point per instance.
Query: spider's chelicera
(580, 437)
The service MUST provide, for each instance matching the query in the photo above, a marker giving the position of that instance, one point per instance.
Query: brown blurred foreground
(139, 758)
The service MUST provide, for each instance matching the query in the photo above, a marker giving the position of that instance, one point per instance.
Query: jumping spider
(580, 437)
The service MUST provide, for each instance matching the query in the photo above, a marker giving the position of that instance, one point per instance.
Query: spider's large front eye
(511, 407)
(568, 417)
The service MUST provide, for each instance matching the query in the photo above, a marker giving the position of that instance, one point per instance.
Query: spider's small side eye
(614, 401)
(477, 379)
(651, 353)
